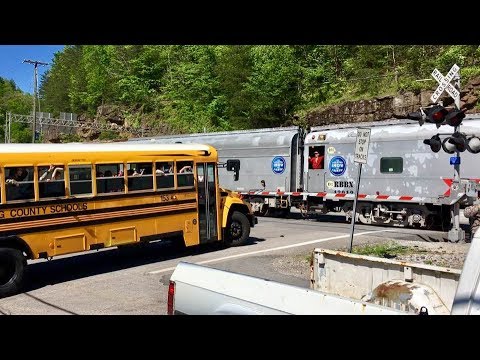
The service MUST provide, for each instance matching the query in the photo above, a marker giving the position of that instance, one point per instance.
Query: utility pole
(35, 64)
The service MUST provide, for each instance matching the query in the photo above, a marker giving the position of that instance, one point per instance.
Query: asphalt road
(135, 281)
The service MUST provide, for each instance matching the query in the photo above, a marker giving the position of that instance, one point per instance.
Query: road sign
(361, 155)
(455, 160)
(361, 146)
(444, 84)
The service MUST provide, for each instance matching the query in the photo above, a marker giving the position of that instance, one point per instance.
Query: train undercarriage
(398, 214)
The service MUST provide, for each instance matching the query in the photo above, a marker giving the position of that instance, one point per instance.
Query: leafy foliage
(14, 100)
(217, 87)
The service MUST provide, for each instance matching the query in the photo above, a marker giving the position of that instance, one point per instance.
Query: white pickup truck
(341, 283)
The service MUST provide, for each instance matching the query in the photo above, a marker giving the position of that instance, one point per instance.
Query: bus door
(207, 202)
(316, 169)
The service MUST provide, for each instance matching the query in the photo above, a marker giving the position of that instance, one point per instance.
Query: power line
(35, 64)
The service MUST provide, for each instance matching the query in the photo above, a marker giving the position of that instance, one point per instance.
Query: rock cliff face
(389, 106)
(114, 122)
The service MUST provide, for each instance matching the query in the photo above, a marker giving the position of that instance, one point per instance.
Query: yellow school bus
(58, 199)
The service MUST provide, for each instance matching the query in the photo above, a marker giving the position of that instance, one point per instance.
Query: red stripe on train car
(383, 197)
(406, 197)
(340, 195)
(322, 194)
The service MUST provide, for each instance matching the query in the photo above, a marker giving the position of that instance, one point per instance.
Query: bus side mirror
(234, 165)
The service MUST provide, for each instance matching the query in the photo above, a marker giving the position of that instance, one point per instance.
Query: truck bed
(208, 291)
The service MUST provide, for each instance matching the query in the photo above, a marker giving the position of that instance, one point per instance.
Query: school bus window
(51, 182)
(80, 179)
(110, 178)
(184, 173)
(140, 176)
(19, 183)
(164, 175)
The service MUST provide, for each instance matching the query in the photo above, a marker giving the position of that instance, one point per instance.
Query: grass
(387, 250)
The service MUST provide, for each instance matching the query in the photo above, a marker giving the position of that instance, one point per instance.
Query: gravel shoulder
(443, 254)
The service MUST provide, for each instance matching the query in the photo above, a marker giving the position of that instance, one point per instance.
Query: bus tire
(238, 230)
(12, 271)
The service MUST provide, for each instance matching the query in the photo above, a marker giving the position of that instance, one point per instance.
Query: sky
(12, 66)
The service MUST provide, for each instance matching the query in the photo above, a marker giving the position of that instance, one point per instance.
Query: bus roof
(96, 151)
(103, 147)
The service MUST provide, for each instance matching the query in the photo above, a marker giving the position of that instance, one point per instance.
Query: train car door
(316, 168)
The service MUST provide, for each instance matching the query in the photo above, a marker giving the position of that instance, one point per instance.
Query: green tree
(273, 86)
(15, 101)
(56, 83)
(233, 69)
(100, 86)
(197, 88)
(190, 94)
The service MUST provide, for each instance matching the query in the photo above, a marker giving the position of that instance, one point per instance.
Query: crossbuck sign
(445, 84)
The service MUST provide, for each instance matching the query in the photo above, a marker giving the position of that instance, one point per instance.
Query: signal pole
(35, 64)
(456, 234)
(452, 145)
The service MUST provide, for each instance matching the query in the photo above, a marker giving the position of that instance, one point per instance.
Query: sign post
(361, 156)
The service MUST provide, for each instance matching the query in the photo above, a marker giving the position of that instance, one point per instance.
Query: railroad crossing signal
(435, 143)
(444, 84)
(455, 142)
(438, 115)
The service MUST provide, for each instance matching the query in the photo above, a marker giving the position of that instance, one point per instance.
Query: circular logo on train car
(278, 165)
(337, 166)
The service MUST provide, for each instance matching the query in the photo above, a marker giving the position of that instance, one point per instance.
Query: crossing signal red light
(436, 114)
(439, 115)
(435, 143)
(454, 117)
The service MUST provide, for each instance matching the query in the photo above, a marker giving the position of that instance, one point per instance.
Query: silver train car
(273, 155)
(404, 183)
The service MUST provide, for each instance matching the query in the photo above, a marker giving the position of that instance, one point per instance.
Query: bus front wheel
(238, 230)
(12, 269)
